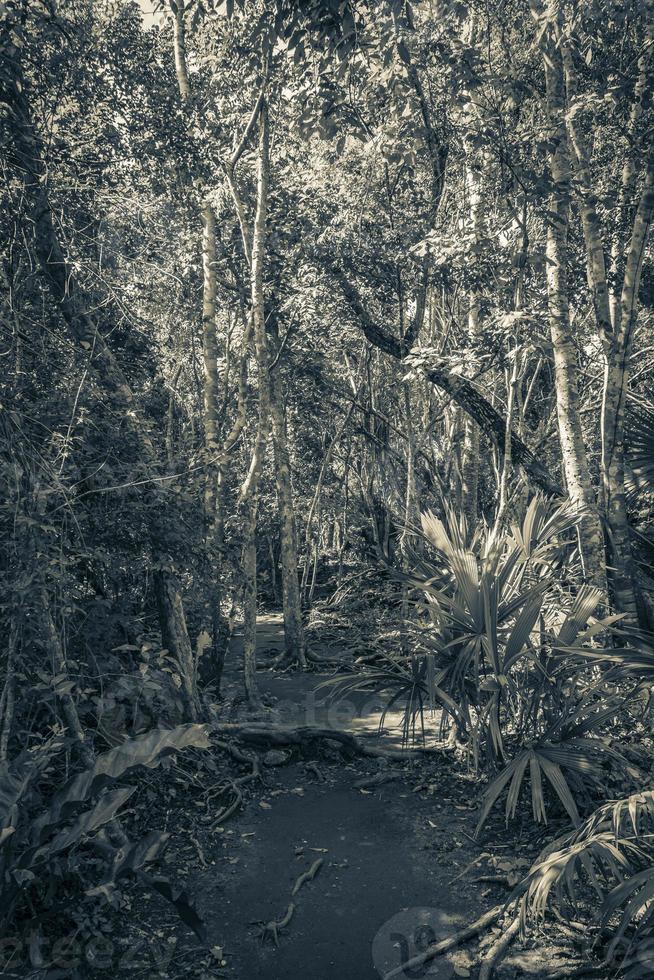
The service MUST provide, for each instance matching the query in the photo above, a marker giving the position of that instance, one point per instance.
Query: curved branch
(460, 389)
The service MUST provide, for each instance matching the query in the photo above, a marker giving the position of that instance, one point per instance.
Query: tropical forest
(326, 489)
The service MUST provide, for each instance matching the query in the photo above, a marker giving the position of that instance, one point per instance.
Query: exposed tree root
(307, 876)
(240, 756)
(566, 973)
(315, 658)
(234, 785)
(499, 950)
(232, 807)
(258, 732)
(437, 949)
(377, 780)
(271, 929)
(316, 770)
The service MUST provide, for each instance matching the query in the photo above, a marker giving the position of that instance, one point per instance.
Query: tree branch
(460, 389)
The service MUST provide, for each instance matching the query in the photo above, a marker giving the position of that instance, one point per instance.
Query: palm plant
(611, 852)
(500, 646)
(639, 478)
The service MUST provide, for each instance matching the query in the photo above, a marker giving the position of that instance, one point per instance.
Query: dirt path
(398, 859)
(390, 854)
(300, 698)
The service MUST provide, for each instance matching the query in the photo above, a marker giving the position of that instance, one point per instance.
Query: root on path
(257, 732)
(307, 876)
(271, 929)
(499, 950)
(232, 787)
(437, 949)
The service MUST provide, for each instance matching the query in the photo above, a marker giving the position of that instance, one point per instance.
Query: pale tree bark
(627, 593)
(210, 343)
(179, 41)
(615, 314)
(470, 447)
(272, 403)
(616, 383)
(512, 377)
(411, 512)
(636, 135)
(293, 628)
(217, 450)
(573, 450)
(249, 496)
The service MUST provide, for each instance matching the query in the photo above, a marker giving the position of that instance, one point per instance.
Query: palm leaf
(639, 477)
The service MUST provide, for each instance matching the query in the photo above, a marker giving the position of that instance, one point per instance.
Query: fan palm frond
(639, 477)
(603, 861)
(576, 760)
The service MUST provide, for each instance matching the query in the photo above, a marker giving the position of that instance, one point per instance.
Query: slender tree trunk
(250, 488)
(575, 463)
(615, 318)
(293, 628)
(616, 383)
(638, 135)
(512, 376)
(470, 447)
(210, 345)
(213, 506)
(179, 43)
(213, 496)
(249, 594)
(7, 701)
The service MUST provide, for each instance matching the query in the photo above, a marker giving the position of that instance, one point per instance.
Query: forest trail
(299, 698)
(388, 851)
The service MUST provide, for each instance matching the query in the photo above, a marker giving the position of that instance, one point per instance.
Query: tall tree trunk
(638, 136)
(615, 319)
(616, 382)
(249, 596)
(250, 489)
(213, 496)
(470, 447)
(575, 463)
(217, 456)
(293, 628)
(179, 43)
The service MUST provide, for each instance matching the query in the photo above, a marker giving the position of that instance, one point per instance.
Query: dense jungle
(327, 489)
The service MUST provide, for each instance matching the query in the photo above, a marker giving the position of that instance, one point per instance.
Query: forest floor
(399, 862)
(394, 856)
